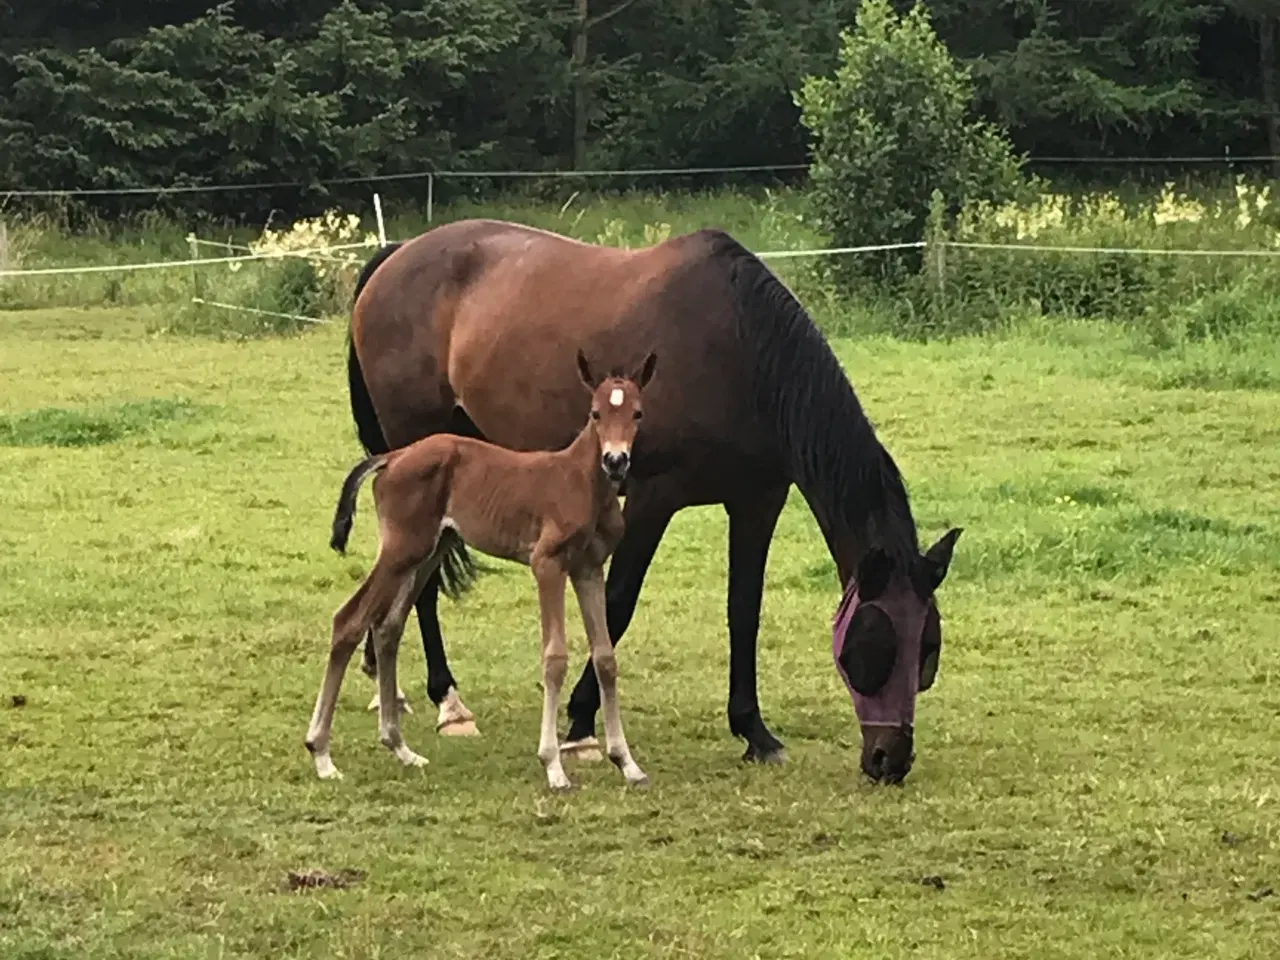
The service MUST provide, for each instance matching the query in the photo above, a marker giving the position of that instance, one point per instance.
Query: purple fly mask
(886, 640)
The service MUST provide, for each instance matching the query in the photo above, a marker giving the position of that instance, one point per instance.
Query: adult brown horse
(472, 328)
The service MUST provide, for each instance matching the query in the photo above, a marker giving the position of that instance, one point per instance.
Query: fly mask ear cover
(876, 647)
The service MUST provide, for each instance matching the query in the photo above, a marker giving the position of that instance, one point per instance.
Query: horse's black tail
(345, 513)
(362, 411)
(458, 571)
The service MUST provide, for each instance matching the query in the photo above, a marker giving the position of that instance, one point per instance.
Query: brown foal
(555, 512)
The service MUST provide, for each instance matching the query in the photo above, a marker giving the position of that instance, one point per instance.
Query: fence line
(173, 264)
(428, 175)
(228, 245)
(262, 313)
(431, 175)
(835, 251)
(764, 255)
(1136, 251)
(1226, 158)
(318, 253)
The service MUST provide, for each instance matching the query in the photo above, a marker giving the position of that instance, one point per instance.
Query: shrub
(309, 272)
(888, 129)
(1173, 297)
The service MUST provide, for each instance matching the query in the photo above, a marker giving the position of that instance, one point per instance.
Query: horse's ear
(873, 574)
(642, 378)
(936, 561)
(584, 371)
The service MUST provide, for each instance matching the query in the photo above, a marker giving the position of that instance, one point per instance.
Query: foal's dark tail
(345, 514)
(458, 571)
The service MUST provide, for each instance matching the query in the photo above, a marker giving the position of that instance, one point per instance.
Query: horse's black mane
(846, 474)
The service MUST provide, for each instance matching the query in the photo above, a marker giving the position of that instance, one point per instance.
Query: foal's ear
(642, 378)
(873, 574)
(584, 371)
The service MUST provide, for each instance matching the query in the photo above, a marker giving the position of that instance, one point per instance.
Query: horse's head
(616, 410)
(886, 642)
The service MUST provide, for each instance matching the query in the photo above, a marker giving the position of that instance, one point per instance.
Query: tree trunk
(1270, 94)
(580, 85)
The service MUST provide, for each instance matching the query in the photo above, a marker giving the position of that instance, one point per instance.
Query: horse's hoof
(775, 757)
(458, 728)
(640, 783)
(587, 750)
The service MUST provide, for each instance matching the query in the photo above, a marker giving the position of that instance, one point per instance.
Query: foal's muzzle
(616, 465)
(887, 752)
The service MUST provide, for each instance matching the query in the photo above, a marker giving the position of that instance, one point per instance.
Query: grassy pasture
(1098, 772)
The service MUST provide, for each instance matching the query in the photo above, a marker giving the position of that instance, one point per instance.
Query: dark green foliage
(210, 101)
(890, 128)
(170, 91)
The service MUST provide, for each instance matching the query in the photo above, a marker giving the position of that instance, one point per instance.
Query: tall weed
(1119, 274)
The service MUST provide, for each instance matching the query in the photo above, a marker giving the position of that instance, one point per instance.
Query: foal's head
(616, 410)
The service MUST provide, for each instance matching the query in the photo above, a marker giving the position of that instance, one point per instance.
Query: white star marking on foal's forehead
(615, 398)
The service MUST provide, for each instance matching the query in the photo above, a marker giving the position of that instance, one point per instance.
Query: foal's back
(501, 501)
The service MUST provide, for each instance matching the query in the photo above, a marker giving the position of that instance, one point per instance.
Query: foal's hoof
(560, 784)
(402, 702)
(587, 750)
(458, 728)
(640, 783)
(325, 769)
(775, 757)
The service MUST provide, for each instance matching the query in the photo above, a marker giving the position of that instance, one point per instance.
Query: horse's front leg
(751, 526)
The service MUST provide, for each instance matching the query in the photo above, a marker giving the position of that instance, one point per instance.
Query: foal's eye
(638, 415)
(595, 414)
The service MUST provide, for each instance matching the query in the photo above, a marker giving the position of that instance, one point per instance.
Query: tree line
(138, 92)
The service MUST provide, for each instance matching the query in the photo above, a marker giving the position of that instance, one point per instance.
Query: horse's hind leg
(454, 718)
(350, 624)
(386, 638)
(589, 587)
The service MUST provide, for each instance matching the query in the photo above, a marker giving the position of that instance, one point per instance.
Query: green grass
(1108, 703)
(58, 427)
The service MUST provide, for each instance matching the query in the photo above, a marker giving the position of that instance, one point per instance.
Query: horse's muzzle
(887, 753)
(616, 465)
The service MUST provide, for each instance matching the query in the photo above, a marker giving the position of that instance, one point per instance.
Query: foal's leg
(350, 624)
(386, 638)
(647, 513)
(454, 719)
(369, 664)
(555, 664)
(589, 587)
